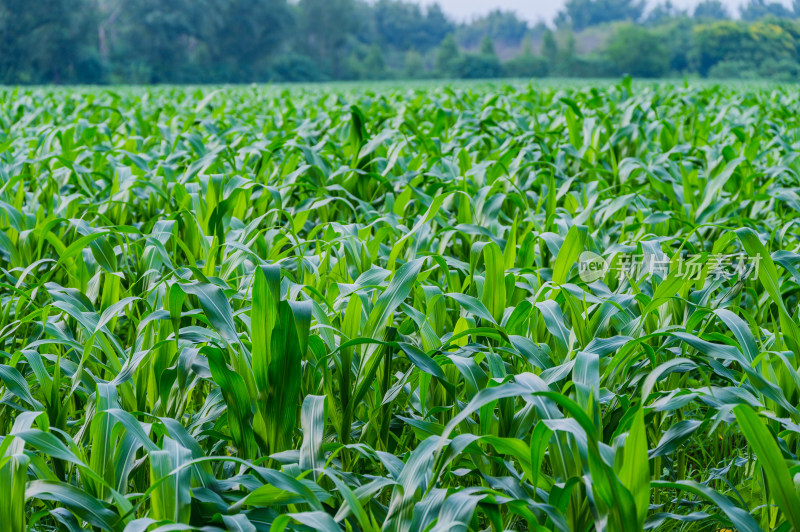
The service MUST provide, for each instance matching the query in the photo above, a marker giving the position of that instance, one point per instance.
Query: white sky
(535, 10)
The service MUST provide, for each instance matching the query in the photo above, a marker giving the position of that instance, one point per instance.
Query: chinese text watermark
(693, 267)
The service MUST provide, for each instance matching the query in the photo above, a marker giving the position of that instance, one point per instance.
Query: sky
(535, 10)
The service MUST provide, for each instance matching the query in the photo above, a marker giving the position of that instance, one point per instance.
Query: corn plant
(368, 308)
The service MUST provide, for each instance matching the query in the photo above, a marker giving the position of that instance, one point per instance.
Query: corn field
(482, 307)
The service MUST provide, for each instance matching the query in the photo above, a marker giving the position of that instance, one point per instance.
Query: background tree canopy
(215, 41)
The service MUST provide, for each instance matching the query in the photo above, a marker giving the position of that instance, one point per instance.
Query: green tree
(245, 34)
(580, 14)
(323, 31)
(758, 9)
(403, 25)
(503, 27)
(447, 56)
(526, 64)
(752, 46)
(487, 46)
(679, 38)
(638, 51)
(437, 25)
(295, 67)
(663, 13)
(484, 64)
(414, 65)
(527, 46)
(176, 35)
(374, 63)
(479, 66)
(550, 48)
(566, 56)
(711, 10)
(48, 41)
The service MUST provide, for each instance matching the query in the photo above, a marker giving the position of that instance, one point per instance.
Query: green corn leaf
(635, 472)
(266, 295)
(312, 418)
(399, 288)
(77, 501)
(568, 254)
(12, 504)
(171, 500)
(738, 517)
(283, 402)
(494, 287)
(768, 276)
(769, 456)
(237, 400)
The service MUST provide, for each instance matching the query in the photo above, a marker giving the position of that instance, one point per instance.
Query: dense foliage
(215, 41)
(362, 309)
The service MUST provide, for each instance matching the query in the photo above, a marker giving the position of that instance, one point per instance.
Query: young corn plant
(354, 308)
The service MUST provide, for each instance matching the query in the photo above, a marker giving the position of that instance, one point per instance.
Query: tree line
(218, 41)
